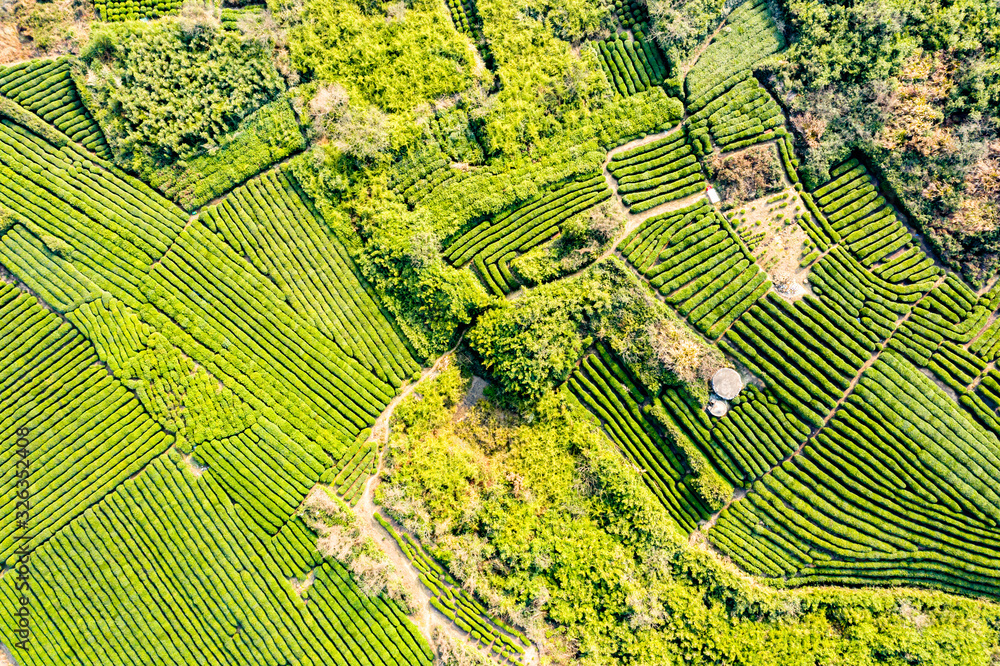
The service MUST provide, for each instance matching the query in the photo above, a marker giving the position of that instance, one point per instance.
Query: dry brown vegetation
(915, 111)
(453, 652)
(347, 538)
(746, 175)
(980, 210)
(29, 28)
(679, 350)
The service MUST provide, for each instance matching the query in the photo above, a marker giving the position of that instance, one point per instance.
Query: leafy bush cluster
(531, 344)
(431, 300)
(262, 138)
(582, 239)
(544, 87)
(393, 62)
(167, 92)
(562, 537)
(679, 26)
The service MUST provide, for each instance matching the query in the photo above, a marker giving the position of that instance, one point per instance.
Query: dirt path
(6, 658)
(427, 618)
(979, 378)
(985, 327)
(871, 361)
(696, 55)
(633, 220)
(738, 494)
(13, 63)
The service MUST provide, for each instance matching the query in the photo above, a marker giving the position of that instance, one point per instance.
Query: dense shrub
(392, 63)
(170, 92)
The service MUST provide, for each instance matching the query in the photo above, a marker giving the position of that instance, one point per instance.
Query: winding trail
(427, 618)
(632, 220)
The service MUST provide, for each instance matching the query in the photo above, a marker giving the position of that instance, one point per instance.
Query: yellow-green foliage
(543, 83)
(433, 458)
(394, 62)
(264, 137)
(429, 407)
(543, 515)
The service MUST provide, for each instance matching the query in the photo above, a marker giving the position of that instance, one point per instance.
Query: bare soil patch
(767, 225)
(475, 393)
(195, 469)
(11, 50)
(6, 658)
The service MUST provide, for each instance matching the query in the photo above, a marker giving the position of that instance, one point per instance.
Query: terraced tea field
(189, 354)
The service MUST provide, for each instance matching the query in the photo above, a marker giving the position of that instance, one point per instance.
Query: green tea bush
(864, 460)
(88, 432)
(859, 214)
(657, 172)
(164, 515)
(700, 266)
(596, 388)
(749, 37)
(49, 89)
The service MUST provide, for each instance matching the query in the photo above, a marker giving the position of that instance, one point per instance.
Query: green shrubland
(531, 343)
(544, 86)
(544, 521)
(394, 62)
(167, 89)
(402, 258)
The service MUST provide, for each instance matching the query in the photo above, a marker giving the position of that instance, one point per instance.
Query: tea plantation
(388, 333)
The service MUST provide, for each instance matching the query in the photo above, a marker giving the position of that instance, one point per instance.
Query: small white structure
(713, 196)
(718, 408)
(727, 383)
